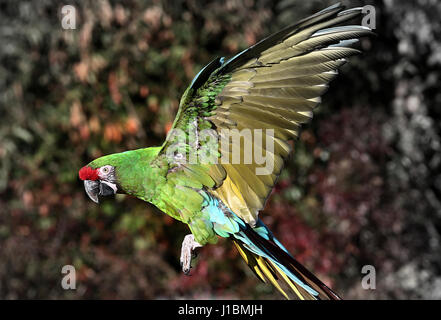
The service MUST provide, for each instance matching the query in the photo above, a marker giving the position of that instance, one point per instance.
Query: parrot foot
(187, 252)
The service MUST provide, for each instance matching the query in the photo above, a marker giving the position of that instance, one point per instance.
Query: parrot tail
(269, 260)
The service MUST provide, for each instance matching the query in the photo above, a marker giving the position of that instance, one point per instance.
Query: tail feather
(269, 261)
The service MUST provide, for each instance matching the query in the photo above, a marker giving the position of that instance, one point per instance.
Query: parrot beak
(95, 188)
(92, 188)
(107, 189)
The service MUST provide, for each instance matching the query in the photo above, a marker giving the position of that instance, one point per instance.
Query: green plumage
(274, 85)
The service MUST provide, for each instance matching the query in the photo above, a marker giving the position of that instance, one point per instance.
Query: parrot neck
(137, 174)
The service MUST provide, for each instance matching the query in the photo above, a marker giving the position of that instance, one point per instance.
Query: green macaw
(271, 87)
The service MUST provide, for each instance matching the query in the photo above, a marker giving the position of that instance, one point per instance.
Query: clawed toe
(186, 271)
(188, 253)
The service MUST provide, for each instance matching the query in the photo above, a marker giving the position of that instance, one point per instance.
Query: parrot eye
(105, 170)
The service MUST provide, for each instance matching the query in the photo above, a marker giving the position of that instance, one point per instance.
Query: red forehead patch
(87, 173)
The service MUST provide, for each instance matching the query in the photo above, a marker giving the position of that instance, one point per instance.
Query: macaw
(273, 86)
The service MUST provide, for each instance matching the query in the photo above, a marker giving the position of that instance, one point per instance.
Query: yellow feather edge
(268, 274)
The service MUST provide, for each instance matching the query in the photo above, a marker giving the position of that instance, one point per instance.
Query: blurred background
(363, 187)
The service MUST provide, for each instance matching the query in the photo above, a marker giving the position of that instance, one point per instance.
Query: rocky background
(363, 187)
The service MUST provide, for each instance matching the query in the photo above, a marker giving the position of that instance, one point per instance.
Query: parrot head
(127, 172)
(99, 181)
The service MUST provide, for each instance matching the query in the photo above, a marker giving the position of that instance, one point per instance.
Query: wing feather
(273, 85)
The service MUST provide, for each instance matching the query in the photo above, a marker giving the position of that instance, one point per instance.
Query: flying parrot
(273, 86)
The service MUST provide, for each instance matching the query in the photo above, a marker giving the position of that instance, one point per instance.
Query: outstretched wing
(273, 85)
